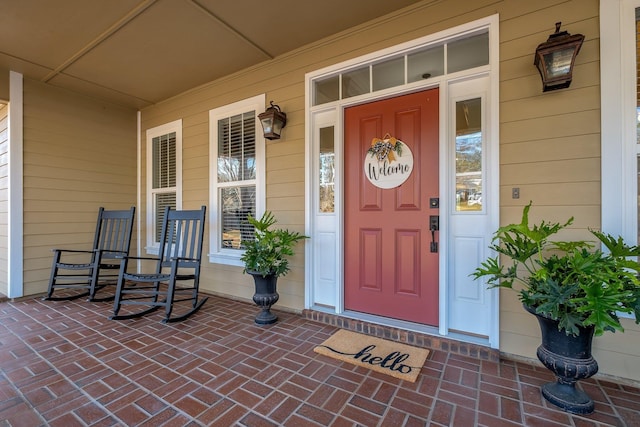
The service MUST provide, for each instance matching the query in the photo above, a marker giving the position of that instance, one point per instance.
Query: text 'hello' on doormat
(388, 357)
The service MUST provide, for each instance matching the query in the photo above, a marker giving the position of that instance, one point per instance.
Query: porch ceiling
(139, 52)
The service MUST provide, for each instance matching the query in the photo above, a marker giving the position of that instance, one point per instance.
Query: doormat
(388, 357)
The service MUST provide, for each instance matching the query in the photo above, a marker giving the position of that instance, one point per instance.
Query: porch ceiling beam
(133, 13)
(229, 28)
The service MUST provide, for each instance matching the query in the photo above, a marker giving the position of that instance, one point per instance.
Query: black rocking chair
(177, 264)
(96, 268)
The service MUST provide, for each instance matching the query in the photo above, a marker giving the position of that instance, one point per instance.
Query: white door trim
(312, 267)
(618, 118)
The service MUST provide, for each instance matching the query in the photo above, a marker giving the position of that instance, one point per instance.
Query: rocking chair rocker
(177, 264)
(89, 269)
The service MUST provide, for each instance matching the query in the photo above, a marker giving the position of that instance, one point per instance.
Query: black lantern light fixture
(273, 120)
(555, 59)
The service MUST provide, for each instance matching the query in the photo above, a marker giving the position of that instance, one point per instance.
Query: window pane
(388, 74)
(326, 90)
(164, 161)
(237, 148)
(237, 203)
(469, 155)
(162, 201)
(327, 170)
(425, 64)
(468, 53)
(355, 82)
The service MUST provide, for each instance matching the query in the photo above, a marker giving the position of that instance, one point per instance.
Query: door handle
(434, 225)
(434, 222)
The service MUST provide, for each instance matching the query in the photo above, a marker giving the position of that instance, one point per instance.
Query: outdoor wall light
(272, 120)
(555, 58)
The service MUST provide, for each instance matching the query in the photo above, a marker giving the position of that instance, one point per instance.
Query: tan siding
(541, 150)
(550, 146)
(559, 172)
(4, 200)
(561, 125)
(539, 107)
(79, 154)
(283, 176)
(550, 143)
(572, 194)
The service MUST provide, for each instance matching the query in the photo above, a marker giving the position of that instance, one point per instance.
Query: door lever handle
(434, 225)
(434, 222)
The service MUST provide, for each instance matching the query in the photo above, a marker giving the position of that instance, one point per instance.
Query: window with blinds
(236, 165)
(164, 145)
(164, 178)
(164, 161)
(237, 177)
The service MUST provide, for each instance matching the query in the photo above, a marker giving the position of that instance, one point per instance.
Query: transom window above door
(414, 65)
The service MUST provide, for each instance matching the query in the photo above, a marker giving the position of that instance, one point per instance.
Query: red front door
(390, 269)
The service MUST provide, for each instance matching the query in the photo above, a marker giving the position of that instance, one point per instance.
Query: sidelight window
(468, 160)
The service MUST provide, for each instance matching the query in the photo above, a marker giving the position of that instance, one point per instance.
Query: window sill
(227, 259)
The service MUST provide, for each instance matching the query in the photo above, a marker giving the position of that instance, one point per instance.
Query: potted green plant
(266, 257)
(574, 289)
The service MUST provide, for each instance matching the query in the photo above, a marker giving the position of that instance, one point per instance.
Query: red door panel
(389, 268)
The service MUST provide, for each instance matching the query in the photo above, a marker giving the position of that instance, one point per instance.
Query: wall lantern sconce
(272, 120)
(555, 59)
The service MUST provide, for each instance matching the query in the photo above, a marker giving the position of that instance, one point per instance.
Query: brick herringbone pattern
(65, 364)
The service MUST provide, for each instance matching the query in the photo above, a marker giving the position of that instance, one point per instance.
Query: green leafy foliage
(269, 252)
(568, 281)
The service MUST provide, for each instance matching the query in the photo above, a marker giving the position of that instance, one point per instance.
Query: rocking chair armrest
(141, 258)
(181, 258)
(118, 254)
(80, 251)
(184, 262)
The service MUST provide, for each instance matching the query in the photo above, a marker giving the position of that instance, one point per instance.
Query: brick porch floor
(65, 364)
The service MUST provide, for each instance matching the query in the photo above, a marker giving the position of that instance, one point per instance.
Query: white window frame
(152, 246)
(618, 101)
(217, 253)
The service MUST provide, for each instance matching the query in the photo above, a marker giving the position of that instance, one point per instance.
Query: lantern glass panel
(558, 63)
(267, 124)
(277, 126)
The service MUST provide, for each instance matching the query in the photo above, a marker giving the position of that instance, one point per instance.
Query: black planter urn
(569, 358)
(265, 296)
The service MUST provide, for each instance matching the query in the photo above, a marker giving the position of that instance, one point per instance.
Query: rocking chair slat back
(177, 269)
(114, 236)
(112, 240)
(182, 233)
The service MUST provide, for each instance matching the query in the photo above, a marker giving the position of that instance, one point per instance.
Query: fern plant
(268, 254)
(568, 281)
